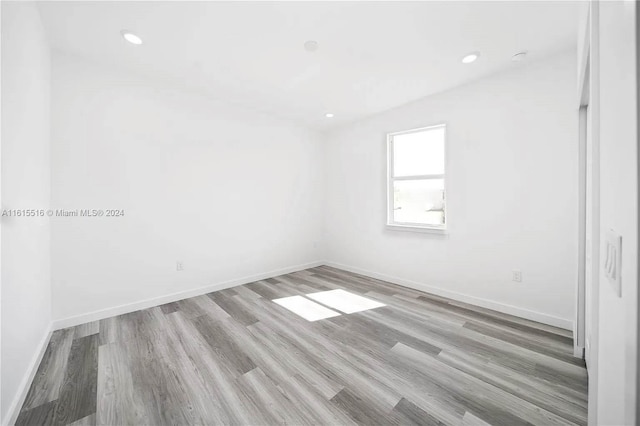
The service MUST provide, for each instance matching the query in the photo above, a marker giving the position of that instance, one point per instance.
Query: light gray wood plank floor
(236, 357)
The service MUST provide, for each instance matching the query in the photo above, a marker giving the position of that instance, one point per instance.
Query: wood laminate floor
(236, 357)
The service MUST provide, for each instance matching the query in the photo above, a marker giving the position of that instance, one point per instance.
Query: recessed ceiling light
(311, 46)
(471, 57)
(329, 115)
(520, 56)
(131, 37)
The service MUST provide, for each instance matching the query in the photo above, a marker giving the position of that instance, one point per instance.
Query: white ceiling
(372, 56)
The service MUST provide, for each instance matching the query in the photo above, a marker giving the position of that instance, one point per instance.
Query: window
(416, 186)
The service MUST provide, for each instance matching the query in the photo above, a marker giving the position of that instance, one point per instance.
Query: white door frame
(579, 326)
(637, 390)
(589, 113)
(579, 320)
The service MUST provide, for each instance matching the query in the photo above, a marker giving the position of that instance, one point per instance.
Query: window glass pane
(419, 201)
(419, 153)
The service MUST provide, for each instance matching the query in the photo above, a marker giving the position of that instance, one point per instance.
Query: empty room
(319, 213)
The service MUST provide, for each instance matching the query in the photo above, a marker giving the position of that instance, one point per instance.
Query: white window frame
(406, 226)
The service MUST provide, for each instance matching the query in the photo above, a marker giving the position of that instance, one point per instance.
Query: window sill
(419, 229)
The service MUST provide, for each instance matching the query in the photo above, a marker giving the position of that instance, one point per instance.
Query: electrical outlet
(517, 275)
(179, 266)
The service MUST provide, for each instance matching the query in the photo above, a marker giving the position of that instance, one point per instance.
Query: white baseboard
(485, 303)
(161, 300)
(18, 400)
(149, 303)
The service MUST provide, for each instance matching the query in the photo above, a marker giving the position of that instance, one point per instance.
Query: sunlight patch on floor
(305, 308)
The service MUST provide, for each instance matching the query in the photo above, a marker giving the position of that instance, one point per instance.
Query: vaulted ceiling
(371, 56)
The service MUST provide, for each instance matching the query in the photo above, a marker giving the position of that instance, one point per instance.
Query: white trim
(592, 338)
(419, 177)
(579, 317)
(583, 66)
(583, 102)
(25, 384)
(578, 352)
(540, 317)
(417, 228)
(161, 300)
(419, 129)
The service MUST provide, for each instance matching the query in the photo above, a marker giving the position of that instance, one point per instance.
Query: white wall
(231, 193)
(26, 281)
(512, 200)
(617, 360)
